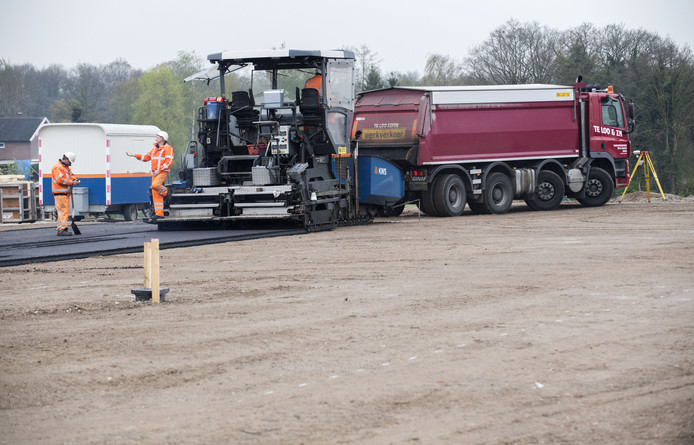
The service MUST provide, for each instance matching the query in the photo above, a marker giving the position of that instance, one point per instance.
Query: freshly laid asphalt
(41, 244)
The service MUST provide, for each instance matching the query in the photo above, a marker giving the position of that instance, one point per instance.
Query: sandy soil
(572, 326)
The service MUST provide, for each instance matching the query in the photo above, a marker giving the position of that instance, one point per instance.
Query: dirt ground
(573, 326)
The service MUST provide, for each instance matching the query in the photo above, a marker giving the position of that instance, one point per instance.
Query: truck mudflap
(380, 181)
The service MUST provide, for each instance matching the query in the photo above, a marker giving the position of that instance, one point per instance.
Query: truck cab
(609, 123)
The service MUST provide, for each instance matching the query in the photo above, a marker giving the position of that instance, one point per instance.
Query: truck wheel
(426, 203)
(599, 188)
(548, 193)
(449, 196)
(130, 212)
(498, 194)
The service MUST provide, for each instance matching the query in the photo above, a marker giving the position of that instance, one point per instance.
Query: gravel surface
(571, 326)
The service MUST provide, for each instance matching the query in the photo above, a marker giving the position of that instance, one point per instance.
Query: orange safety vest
(63, 178)
(161, 157)
(314, 82)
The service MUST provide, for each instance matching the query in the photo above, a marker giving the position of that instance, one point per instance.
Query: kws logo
(381, 171)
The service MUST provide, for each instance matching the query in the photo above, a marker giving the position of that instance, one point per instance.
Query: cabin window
(337, 127)
(612, 115)
(340, 88)
(2, 145)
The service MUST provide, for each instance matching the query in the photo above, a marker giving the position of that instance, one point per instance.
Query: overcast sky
(402, 32)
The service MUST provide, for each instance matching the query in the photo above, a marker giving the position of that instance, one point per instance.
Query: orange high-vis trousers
(62, 206)
(158, 192)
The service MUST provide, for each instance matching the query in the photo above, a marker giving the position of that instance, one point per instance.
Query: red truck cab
(608, 129)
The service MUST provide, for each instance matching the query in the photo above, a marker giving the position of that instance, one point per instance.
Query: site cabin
(111, 182)
(486, 145)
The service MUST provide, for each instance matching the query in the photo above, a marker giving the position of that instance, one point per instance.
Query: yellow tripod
(645, 158)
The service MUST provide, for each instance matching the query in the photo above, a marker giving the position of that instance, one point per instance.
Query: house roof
(19, 129)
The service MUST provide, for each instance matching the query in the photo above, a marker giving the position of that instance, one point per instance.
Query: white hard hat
(70, 155)
(164, 134)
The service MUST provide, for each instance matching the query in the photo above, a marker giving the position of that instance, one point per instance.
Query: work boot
(64, 233)
(155, 218)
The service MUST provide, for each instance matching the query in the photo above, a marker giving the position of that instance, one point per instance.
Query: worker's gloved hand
(76, 182)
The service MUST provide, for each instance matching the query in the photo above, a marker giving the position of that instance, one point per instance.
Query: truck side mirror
(631, 123)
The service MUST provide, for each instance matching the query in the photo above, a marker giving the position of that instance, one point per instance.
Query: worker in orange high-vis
(161, 156)
(62, 182)
(315, 82)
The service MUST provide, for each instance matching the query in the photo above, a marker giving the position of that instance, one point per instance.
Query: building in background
(19, 142)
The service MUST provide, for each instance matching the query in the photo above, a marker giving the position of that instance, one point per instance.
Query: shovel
(75, 229)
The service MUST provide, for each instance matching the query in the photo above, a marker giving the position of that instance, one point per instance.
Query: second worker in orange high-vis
(161, 156)
(62, 182)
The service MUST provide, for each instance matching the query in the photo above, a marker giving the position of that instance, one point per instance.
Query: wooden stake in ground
(155, 270)
(148, 265)
(152, 290)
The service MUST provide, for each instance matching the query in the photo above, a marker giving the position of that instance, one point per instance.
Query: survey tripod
(645, 158)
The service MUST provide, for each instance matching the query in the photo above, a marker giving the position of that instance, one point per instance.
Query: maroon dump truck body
(464, 132)
(498, 124)
(563, 128)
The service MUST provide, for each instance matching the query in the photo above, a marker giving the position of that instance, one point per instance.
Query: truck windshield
(612, 115)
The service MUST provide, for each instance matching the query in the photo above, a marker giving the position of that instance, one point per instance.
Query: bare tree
(84, 93)
(11, 95)
(409, 78)
(49, 86)
(442, 70)
(367, 61)
(26, 91)
(579, 53)
(515, 53)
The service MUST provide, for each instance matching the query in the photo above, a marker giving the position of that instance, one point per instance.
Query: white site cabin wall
(113, 179)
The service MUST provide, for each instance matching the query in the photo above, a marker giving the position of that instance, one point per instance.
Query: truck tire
(449, 196)
(426, 203)
(599, 188)
(549, 191)
(130, 212)
(498, 194)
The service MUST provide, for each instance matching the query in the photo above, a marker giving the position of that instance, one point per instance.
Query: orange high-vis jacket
(63, 178)
(161, 157)
(314, 82)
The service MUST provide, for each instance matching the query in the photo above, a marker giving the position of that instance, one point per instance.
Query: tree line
(652, 71)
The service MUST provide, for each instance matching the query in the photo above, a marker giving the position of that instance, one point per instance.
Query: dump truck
(485, 146)
(111, 182)
(279, 148)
